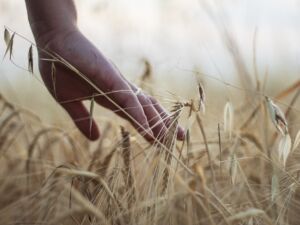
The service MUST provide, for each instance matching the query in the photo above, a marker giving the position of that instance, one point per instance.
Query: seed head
(277, 116)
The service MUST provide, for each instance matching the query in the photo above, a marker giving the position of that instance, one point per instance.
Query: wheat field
(240, 167)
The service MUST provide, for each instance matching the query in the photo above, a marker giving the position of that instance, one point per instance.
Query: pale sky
(176, 35)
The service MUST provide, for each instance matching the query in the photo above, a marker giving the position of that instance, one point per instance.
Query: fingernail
(181, 133)
(145, 131)
(149, 132)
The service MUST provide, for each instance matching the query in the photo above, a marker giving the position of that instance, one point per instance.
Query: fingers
(123, 99)
(81, 118)
(141, 109)
(158, 114)
(120, 112)
(138, 109)
(109, 79)
(155, 120)
(166, 118)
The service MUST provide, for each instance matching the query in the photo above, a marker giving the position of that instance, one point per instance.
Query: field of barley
(238, 164)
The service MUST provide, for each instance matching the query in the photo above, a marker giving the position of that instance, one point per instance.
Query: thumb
(82, 120)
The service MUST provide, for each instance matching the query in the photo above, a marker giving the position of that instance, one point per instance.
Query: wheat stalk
(128, 176)
(169, 143)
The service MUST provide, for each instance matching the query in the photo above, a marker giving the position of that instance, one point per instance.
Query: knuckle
(128, 99)
(152, 99)
(145, 101)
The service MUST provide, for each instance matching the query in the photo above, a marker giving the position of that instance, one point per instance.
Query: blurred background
(177, 38)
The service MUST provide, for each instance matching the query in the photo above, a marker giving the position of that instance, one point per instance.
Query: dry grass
(49, 176)
(232, 173)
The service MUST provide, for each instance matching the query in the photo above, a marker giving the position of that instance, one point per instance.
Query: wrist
(48, 17)
(44, 33)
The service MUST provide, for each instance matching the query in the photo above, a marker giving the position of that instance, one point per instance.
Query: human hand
(69, 89)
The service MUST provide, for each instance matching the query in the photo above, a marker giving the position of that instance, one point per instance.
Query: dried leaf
(6, 37)
(30, 60)
(297, 141)
(9, 47)
(228, 118)
(91, 113)
(53, 76)
(277, 117)
(202, 98)
(284, 148)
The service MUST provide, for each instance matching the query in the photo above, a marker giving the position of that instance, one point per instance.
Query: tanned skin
(54, 25)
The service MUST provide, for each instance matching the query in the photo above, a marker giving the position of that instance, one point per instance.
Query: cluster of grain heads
(168, 144)
(194, 108)
(128, 175)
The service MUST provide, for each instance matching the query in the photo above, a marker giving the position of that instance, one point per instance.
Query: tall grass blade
(53, 76)
(91, 114)
(284, 148)
(30, 60)
(296, 141)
